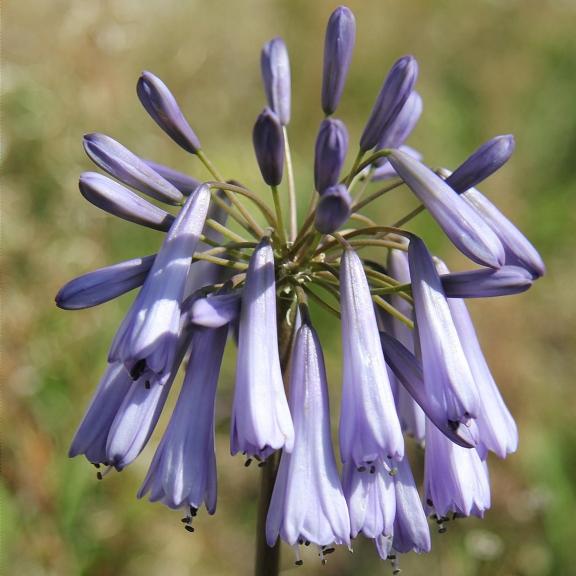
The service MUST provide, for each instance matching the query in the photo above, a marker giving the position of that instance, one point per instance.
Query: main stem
(268, 557)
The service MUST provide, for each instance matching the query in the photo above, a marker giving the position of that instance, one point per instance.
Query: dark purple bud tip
(396, 89)
(119, 201)
(269, 147)
(491, 156)
(275, 67)
(333, 209)
(330, 153)
(338, 48)
(162, 106)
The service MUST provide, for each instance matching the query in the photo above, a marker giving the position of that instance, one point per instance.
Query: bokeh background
(69, 67)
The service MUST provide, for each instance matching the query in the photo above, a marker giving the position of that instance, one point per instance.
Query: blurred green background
(69, 67)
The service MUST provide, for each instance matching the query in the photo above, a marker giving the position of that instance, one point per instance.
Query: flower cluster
(412, 365)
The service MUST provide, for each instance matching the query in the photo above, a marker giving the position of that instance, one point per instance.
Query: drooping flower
(330, 153)
(395, 91)
(462, 224)
(369, 426)
(338, 48)
(308, 503)
(455, 478)
(164, 110)
(183, 470)
(261, 421)
(268, 143)
(104, 284)
(497, 429)
(150, 329)
(119, 162)
(408, 371)
(447, 375)
(275, 67)
(410, 414)
(333, 209)
(119, 201)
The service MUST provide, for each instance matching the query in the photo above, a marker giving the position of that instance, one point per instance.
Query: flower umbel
(411, 361)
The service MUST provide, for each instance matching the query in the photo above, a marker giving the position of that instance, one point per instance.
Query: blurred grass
(487, 67)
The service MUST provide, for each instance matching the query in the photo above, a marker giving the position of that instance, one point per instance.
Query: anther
(95, 464)
(100, 475)
(298, 561)
(372, 469)
(248, 462)
(138, 369)
(189, 527)
(329, 550)
(186, 520)
(361, 468)
(147, 384)
(193, 511)
(262, 464)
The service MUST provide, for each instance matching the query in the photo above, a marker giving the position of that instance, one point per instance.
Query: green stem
(293, 209)
(354, 170)
(281, 229)
(359, 205)
(224, 231)
(409, 216)
(392, 311)
(220, 261)
(268, 557)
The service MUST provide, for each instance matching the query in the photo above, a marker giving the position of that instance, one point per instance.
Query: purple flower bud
(183, 470)
(275, 67)
(447, 375)
(164, 110)
(410, 414)
(397, 131)
(104, 284)
(519, 251)
(186, 184)
(333, 209)
(119, 162)
(393, 95)
(385, 170)
(463, 226)
(487, 282)
(369, 426)
(455, 478)
(496, 426)
(491, 156)
(261, 421)
(371, 498)
(308, 502)
(90, 438)
(215, 310)
(331, 149)
(411, 532)
(408, 371)
(119, 201)
(338, 48)
(268, 143)
(151, 327)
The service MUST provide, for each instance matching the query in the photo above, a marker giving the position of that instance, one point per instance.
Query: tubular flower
(308, 503)
(183, 470)
(261, 421)
(228, 264)
(149, 331)
(369, 426)
(411, 415)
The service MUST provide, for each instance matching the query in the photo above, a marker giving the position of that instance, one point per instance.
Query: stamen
(395, 564)
(189, 527)
(321, 554)
(248, 462)
(100, 475)
(298, 561)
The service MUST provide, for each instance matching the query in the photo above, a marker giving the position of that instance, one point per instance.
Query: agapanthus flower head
(275, 67)
(164, 110)
(338, 48)
(232, 262)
